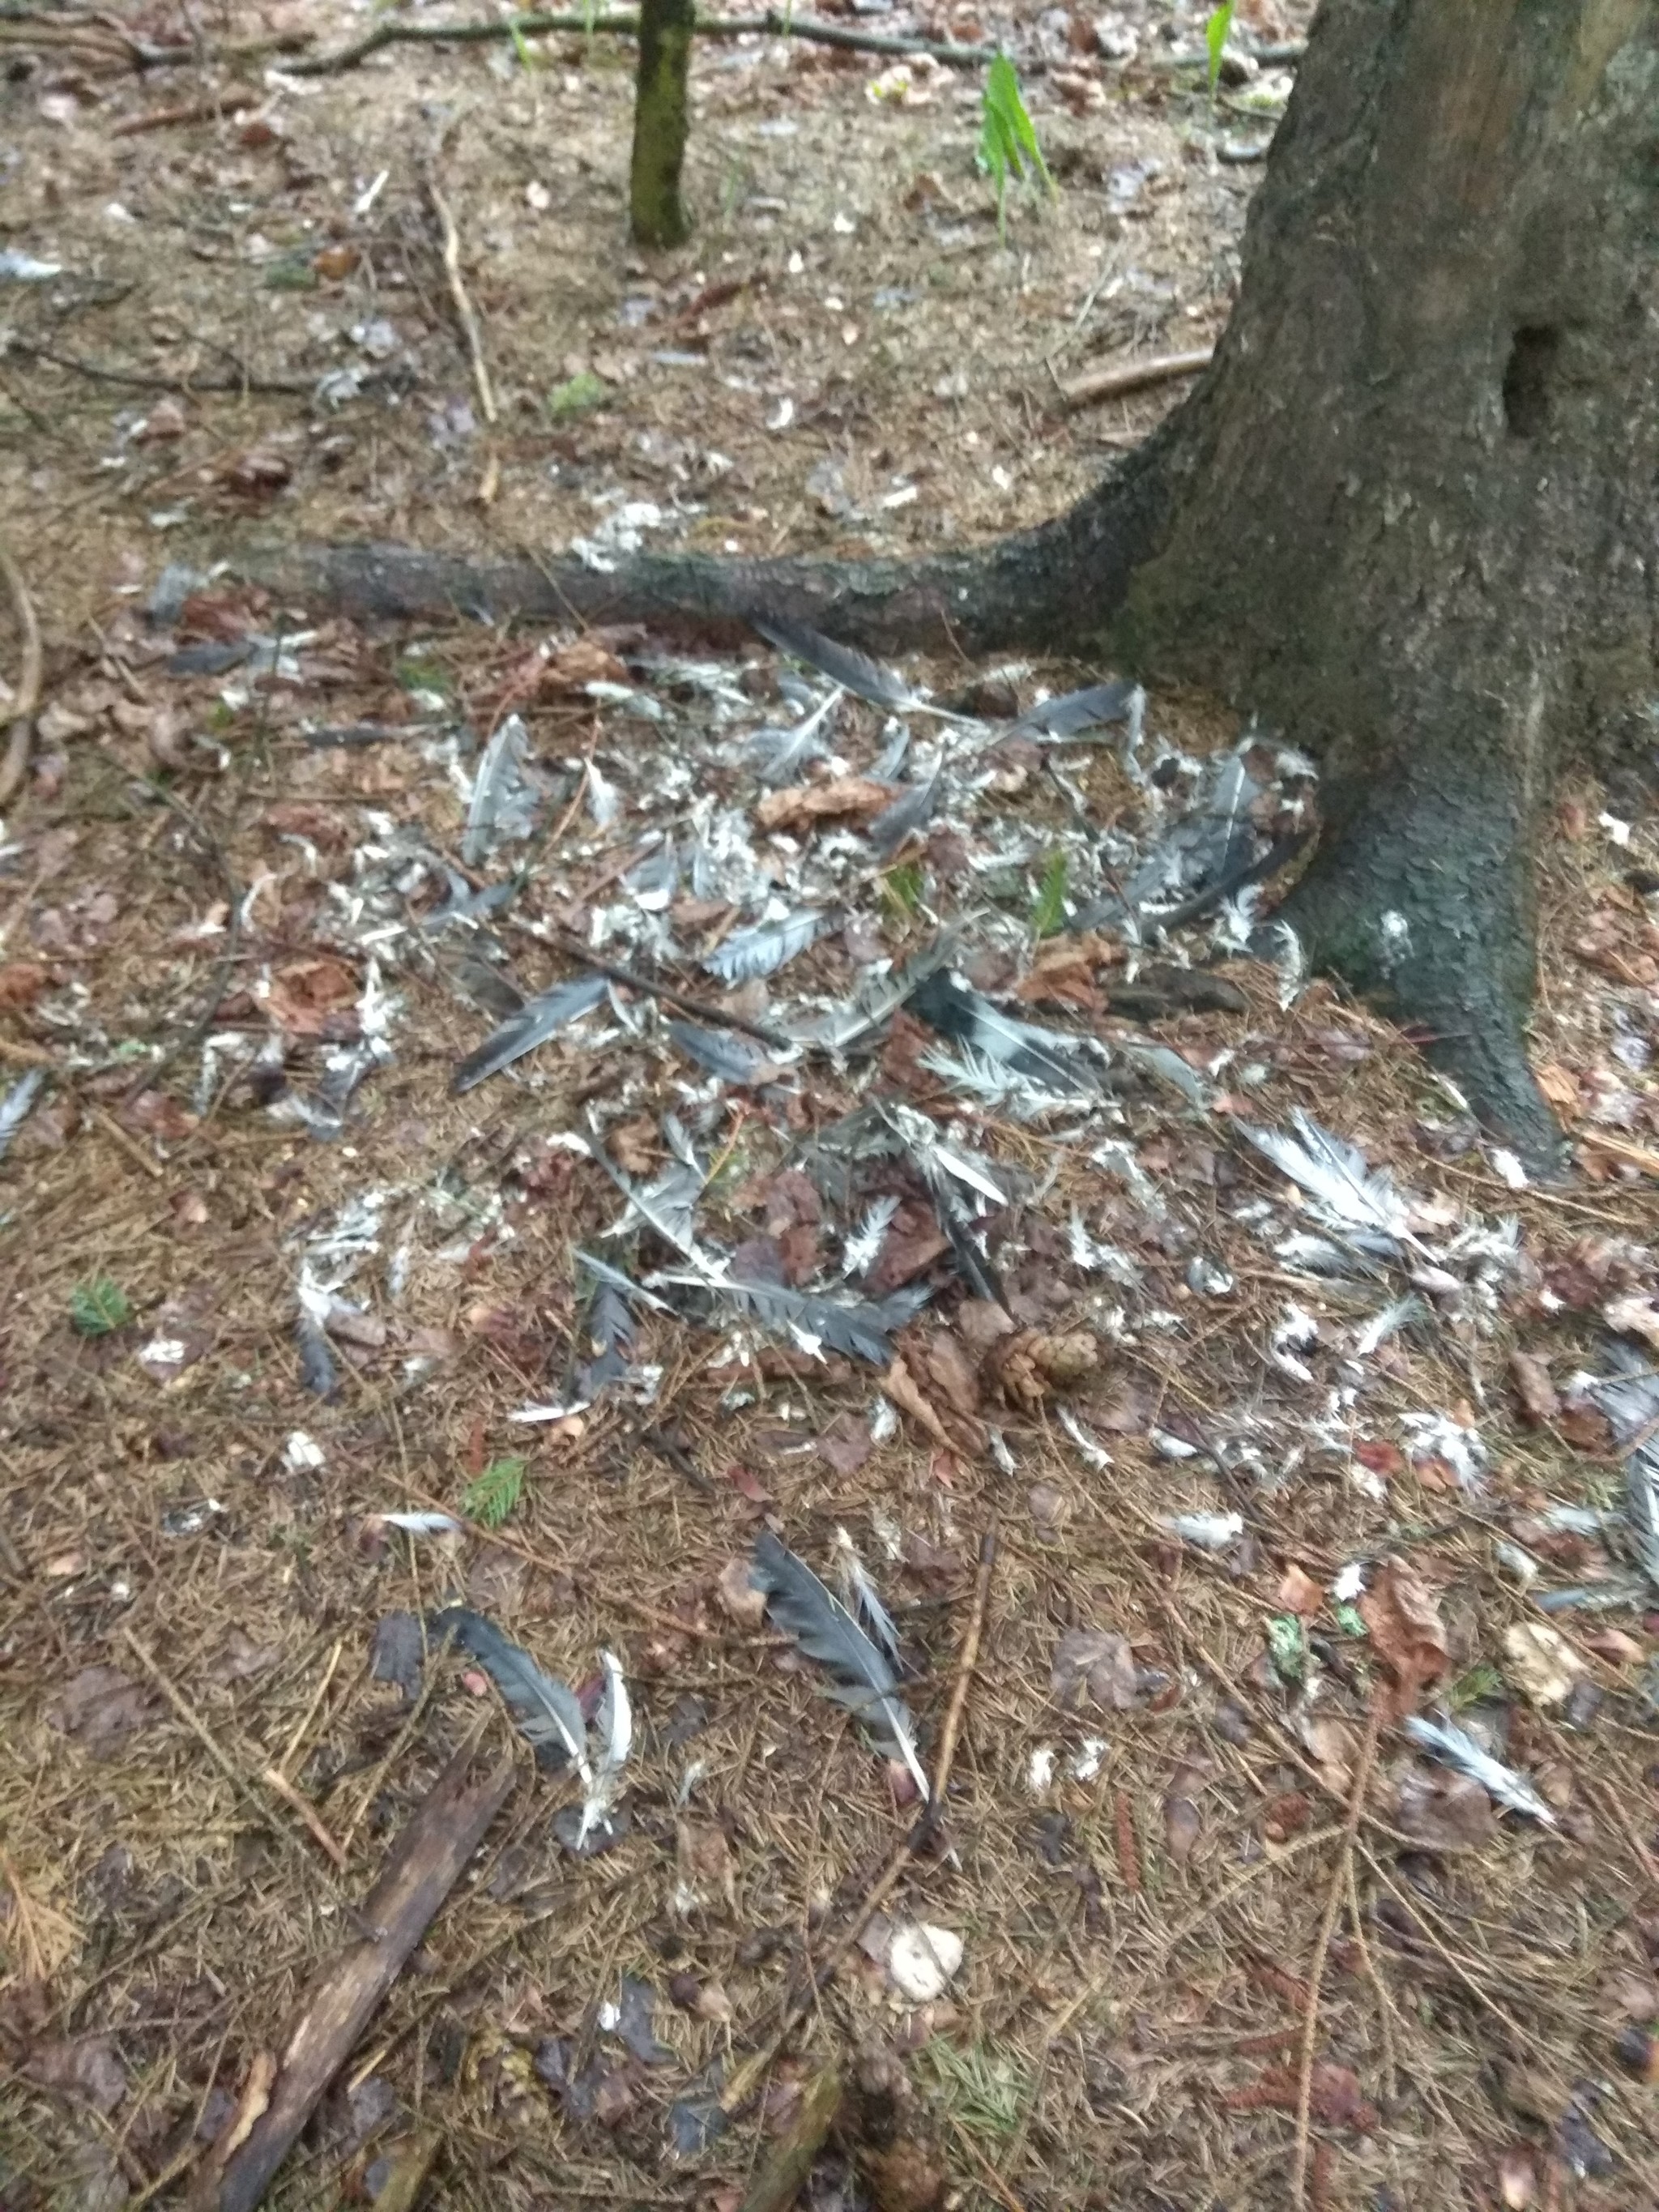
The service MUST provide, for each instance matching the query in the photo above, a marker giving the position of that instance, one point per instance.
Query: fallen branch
(1133, 376)
(192, 111)
(773, 24)
(134, 380)
(1334, 1900)
(465, 313)
(424, 1865)
(27, 697)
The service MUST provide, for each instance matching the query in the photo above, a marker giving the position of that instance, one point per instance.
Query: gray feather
(1097, 707)
(549, 1717)
(843, 664)
(1337, 1177)
(909, 812)
(1454, 1747)
(825, 1631)
(765, 948)
(536, 1021)
(15, 1107)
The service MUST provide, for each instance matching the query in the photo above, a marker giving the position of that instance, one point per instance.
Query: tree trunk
(1410, 514)
(656, 211)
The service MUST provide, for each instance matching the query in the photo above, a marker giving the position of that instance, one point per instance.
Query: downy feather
(862, 1249)
(1336, 1175)
(778, 754)
(536, 1020)
(1454, 1747)
(825, 1631)
(549, 1717)
(614, 1726)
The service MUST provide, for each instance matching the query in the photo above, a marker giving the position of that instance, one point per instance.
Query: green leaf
(579, 395)
(1287, 1642)
(902, 890)
(1007, 137)
(1482, 1682)
(522, 47)
(1048, 910)
(493, 1495)
(1349, 1619)
(97, 1307)
(1216, 32)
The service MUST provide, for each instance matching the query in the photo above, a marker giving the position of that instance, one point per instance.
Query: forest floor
(1238, 1461)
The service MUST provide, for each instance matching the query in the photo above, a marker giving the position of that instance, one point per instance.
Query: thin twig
(27, 696)
(1333, 1902)
(465, 313)
(699, 1009)
(774, 24)
(1126, 376)
(275, 1780)
(136, 379)
(1385, 2006)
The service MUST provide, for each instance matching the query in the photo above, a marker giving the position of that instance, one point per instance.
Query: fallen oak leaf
(1403, 1620)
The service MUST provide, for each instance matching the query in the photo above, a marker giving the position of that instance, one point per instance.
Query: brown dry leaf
(22, 982)
(900, 1386)
(1560, 1086)
(1445, 1811)
(85, 2067)
(1635, 1996)
(949, 1373)
(1298, 1592)
(707, 1872)
(846, 1444)
(1285, 1816)
(1541, 1663)
(1614, 1646)
(844, 798)
(1534, 1388)
(738, 1598)
(1634, 1317)
(242, 1658)
(255, 474)
(315, 998)
(1404, 1622)
(103, 1707)
(584, 660)
(908, 2177)
(1101, 1662)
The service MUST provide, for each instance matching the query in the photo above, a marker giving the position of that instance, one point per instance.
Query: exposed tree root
(27, 697)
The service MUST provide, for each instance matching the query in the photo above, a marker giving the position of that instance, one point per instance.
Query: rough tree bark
(1410, 514)
(656, 211)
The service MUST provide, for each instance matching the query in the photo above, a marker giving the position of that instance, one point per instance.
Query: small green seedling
(1048, 908)
(100, 1306)
(1007, 139)
(491, 1496)
(1216, 32)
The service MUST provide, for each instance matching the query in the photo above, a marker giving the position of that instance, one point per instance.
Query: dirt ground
(268, 1278)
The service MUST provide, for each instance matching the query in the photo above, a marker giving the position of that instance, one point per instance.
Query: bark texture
(1411, 513)
(656, 210)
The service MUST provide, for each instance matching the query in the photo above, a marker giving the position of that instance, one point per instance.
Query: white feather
(1454, 1747)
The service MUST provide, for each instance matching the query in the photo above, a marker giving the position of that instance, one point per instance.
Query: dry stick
(423, 1866)
(192, 111)
(1338, 1890)
(1133, 376)
(1385, 2006)
(135, 379)
(773, 24)
(743, 2083)
(699, 1009)
(27, 697)
(465, 313)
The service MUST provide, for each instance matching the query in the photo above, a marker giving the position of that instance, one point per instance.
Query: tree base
(1417, 905)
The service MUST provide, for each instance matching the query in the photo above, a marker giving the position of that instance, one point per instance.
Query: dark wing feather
(536, 1020)
(843, 664)
(863, 1681)
(545, 1709)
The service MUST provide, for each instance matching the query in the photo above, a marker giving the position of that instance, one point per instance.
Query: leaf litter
(818, 1227)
